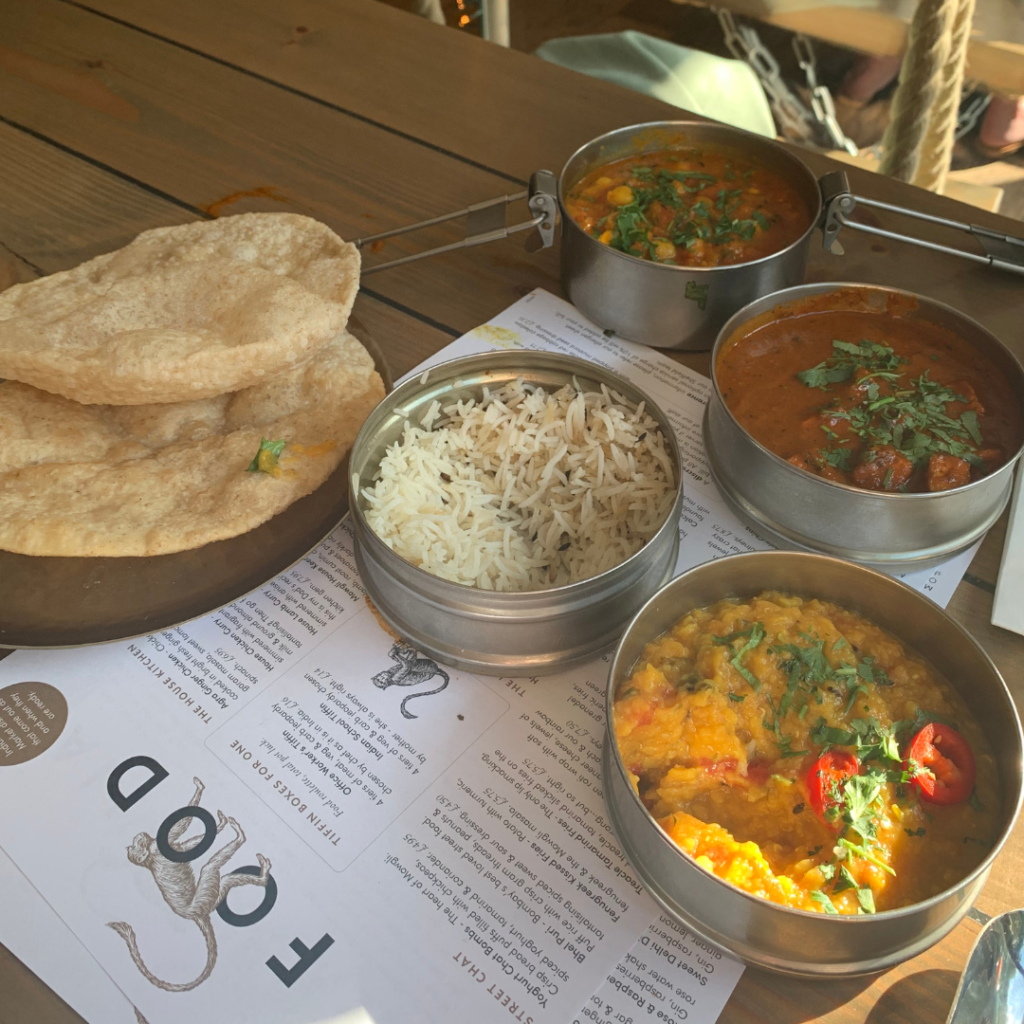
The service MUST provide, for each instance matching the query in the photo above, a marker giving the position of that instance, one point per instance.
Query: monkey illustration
(195, 901)
(409, 670)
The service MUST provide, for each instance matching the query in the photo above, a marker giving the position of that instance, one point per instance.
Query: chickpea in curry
(798, 751)
(689, 208)
(877, 400)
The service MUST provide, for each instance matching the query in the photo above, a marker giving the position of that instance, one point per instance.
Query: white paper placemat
(450, 865)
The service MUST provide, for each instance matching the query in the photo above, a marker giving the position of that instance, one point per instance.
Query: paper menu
(414, 839)
(337, 755)
(493, 860)
(1007, 607)
(670, 974)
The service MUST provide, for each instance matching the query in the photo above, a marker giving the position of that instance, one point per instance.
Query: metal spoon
(991, 989)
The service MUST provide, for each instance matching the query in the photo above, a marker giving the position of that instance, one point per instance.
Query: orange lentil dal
(707, 753)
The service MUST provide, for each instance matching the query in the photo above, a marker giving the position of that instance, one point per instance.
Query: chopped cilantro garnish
(738, 697)
(846, 359)
(774, 725)
(756, 634)
(874, 741)
(630, 231)
(866, 899)
(911, 415)
(692, 181)
(791, 685)
(839, 458)
(826, 903)
(867, 855)
(809, 661)
(821, 376)
(696, 293)
(855, 688)
(914, 831)
(829, 736)
(784, 744)
(887, 744)
(912, 771)
(693, 221)
(844, 881)
(265, 459)
(872, 673)
(861, 801)
(969, 419)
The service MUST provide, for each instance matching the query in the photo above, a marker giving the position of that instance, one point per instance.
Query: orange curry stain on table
(262, 192)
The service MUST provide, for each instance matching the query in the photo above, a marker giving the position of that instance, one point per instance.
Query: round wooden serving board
(71, 602)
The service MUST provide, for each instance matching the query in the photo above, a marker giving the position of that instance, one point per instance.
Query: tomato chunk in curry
(771, 740)
(877, 400)
(688, 207)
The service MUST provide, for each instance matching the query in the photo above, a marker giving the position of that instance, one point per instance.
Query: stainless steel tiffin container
(661, 304)
(526, 633)
(671, 306)
(890, 530)
(755, 930)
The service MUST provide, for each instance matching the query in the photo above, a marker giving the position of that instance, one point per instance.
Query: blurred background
(820, 74)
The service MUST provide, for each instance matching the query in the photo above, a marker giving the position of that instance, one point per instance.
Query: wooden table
(128, 114)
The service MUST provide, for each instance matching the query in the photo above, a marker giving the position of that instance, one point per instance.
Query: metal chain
(821, 99)
(971, 110)
(795, 120)
(744, 44)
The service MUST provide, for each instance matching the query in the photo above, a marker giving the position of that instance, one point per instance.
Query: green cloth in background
(726, 90)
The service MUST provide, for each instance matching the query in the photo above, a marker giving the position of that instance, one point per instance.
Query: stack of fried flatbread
(140, 386)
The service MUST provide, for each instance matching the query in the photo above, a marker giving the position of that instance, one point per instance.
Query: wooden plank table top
(120, 115)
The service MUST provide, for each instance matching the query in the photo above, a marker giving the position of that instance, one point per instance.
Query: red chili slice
(825, 782)
(945, 764)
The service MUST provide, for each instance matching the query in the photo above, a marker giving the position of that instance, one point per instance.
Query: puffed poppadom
(182, 312)
(91, 480)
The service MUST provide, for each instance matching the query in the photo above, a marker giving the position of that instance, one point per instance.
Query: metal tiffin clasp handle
(486, 222)
(1002, 251)
(837, 200)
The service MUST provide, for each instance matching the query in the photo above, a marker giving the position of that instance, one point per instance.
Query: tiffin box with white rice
(515, 489)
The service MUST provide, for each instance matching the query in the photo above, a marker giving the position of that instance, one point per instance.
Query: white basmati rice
(522, 489)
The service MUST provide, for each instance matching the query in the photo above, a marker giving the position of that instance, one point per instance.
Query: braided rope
(927, 54)
(937, 147)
